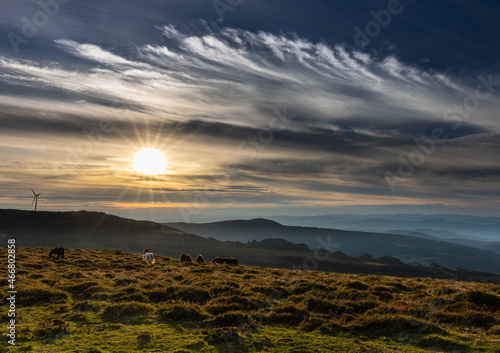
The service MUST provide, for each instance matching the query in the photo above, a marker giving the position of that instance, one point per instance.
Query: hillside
(491, 246)
(85, 229)
(485, 228)
(100, 301)
(409, 249)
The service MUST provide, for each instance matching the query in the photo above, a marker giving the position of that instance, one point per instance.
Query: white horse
(148, 257)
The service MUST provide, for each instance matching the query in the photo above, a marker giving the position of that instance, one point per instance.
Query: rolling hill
(99, 301)
(441, 225)
(85, 229)
(491, 246)
(411, 250)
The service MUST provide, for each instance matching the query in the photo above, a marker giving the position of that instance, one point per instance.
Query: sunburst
(149, 161)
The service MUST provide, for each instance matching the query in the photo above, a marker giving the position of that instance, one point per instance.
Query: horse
(148, 256)
(230, 261)
(57, 252)
(186, 258)
(200, 259)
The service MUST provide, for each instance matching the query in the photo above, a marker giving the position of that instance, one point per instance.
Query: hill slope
(98, 230)
(486, 228)
(100, 301)
(412, 250)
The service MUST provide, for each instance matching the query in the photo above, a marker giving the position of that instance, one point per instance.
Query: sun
(149, 161)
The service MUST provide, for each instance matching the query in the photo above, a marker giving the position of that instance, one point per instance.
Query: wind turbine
(35, 198)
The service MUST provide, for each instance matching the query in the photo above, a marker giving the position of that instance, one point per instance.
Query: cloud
(210, 99)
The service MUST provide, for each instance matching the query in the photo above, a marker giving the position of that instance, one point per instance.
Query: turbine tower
(35, 198)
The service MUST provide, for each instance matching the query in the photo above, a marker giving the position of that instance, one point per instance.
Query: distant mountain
(445, 234)
(409, 249)
(85, 229)
(483, 228)
(472, 242)
(278, 244)
(493, 247)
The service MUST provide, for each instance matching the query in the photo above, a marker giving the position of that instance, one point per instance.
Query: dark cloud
(210, 91)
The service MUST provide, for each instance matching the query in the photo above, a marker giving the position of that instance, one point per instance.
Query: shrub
(323, 306)
(41, 295)
(442, 343)
(159, 295)
(86, 306)
(362, 306)
(77, 289)
(273, 292)
(400, 287)
(230, 319)
(244, 302)
(125, 281)
(182, 312)
(53, 329)
(91, 291)
(393, 325)
(191, 294)
(481, 299)
(468, 318)
(357, 285)
(305, 287)
(227, 335)
(203, 270)
(350, 294)
(495, 330)
(216, 309)
(288, 315)
(133, 310)
(143, 339)
(310, 324)
(382, 293)
(78, 317)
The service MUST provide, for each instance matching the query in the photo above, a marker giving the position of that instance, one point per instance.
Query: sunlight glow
(149, 161)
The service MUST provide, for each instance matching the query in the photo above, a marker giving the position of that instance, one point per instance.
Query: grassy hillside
(411, 250)
(110, 301)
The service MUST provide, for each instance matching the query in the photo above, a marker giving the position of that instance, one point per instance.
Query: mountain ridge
(411, 250)
(84, 229)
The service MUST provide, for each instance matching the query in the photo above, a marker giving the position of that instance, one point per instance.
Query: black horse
(57, 252)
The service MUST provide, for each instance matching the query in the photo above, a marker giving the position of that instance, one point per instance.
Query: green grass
(110, 301)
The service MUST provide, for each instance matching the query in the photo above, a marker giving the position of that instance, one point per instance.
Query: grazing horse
(218, 260)
(148, 256)
(186, 258)
(230, 261)
(200, 259)
(57, 252)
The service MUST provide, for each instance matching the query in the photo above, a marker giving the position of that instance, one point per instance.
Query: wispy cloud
(200, 95)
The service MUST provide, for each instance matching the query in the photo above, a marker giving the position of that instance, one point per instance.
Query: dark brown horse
(230, 261)
(225, 260)
(186, 258)
(57, 252)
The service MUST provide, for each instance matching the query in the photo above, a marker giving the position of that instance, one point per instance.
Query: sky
(262, 107)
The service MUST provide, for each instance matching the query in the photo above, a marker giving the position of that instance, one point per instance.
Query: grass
(110, 301)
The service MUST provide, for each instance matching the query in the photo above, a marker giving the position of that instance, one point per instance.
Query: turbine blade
(33, 191)
(32, 202)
